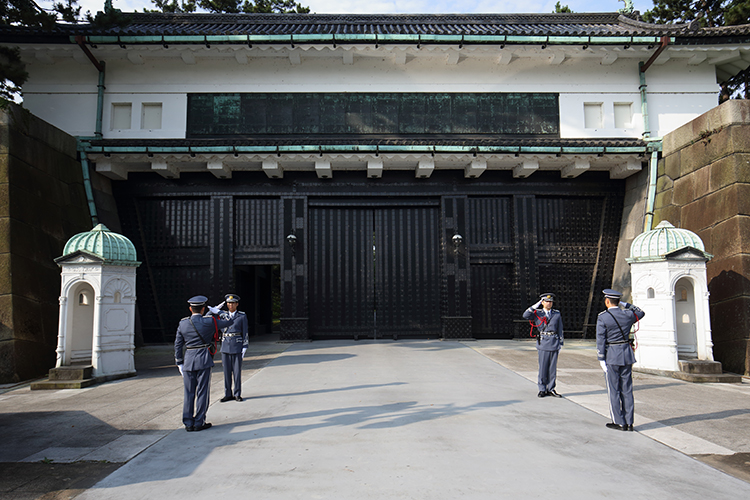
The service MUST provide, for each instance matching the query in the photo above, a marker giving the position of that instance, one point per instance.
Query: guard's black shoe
(205, 426)
(617, 427)
(553, 393)
(238, 398)
(541, 394)
(189, 428)
(630, 427)
(227, 398)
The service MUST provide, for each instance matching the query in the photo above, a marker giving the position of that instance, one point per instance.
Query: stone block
(663, 199)
(705, 236)
(672, 166)
(706, 151)
(730, 113)
(8, 373)
(27, 321)
(672, 213)
(701, 181)
(6, 281)
(740, 139)
(729, 170)
(728, 278)
(730, 237)
(664, 183)
(5, 234)
(684, 190)
(710, 210)
(6, 317)
(743, 198)
(4, 200)
(733, 355)
(4, 168)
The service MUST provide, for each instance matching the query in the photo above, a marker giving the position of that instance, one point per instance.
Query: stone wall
(42, 204)
(633, 218)
(704, 186)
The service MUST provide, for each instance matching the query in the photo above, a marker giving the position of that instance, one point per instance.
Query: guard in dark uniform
(616, 356)
(549, 341)
(233, 347)
(195, 334)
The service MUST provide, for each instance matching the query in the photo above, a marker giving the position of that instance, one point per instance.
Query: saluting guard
(233, 347)
(616, 357)
(195, 334)
(549, 341)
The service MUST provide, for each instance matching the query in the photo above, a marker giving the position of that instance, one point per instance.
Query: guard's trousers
(197, 391)
(620, 391)
(232, 367)
(547, 370)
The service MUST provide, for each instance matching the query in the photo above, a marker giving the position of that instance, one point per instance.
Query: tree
(559, 9)
(13, 72)
(708, 13)
(230, 6)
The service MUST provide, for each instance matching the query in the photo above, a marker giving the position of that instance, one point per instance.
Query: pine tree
(708, 13)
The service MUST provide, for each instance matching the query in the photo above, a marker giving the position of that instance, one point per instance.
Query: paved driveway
(421, 420)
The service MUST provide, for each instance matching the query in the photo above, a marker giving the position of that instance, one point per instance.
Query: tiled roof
(568, 24)
(372, 141)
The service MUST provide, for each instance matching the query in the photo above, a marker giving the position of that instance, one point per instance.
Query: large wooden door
(374, 272)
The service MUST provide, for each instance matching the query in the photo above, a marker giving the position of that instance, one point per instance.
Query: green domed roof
(112, 247)
(662, 240)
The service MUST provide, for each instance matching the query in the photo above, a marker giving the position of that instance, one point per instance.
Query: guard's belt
(234, 334)
(618, 342)
(548, 334)
(197, 346)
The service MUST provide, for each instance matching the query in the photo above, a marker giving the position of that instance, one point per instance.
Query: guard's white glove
(603, 364)
(536, 306)
(244, 350)
(216, 310)
(179, 367)
(624, 305)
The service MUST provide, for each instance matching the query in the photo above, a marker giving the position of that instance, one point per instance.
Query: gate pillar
(294, 316)
(456, 274)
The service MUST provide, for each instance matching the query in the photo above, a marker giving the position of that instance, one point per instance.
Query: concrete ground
(378, 419)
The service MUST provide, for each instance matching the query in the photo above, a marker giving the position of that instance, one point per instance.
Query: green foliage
(26, 13)
(173, 6)
(108, 18)
(230, 6)
(561, 9)
(708, 13)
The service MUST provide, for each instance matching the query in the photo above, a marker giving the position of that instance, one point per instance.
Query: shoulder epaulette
(186, 317)
(601, 313)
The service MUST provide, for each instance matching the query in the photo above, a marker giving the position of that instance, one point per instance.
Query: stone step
(700, 366)
(62, 384)
(721, 378)
(71, 373)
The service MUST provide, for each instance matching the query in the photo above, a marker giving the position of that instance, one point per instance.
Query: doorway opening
(684, 308)
(259, 288)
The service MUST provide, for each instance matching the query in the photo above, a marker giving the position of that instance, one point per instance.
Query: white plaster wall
(64, 93)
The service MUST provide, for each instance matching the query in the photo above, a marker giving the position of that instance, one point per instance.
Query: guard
(233, 347)
(616, 357)
(549, 341)
(195, 334)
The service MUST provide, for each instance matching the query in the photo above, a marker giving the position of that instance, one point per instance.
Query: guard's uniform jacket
(550, 329)
(612, 346)
(549, 343)
(195, 334)
(612, 343)
(235, 336)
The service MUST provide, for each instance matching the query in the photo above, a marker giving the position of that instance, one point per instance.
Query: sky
(411, 6)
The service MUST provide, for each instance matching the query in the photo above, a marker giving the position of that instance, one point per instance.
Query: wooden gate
(374, 271)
